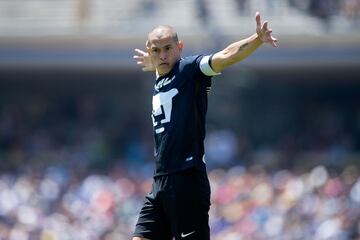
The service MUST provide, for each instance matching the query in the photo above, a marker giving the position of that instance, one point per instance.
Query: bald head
(162, 32)
(164, 48)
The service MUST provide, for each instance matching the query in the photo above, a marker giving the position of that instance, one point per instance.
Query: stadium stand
(75, 132)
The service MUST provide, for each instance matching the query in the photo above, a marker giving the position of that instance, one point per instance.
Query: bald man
(179, 202)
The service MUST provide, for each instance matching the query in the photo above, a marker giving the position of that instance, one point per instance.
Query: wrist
(258, 38)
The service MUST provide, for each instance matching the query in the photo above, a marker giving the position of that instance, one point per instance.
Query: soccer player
(178, 204)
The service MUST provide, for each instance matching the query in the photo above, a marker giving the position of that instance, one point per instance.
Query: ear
(180, 45)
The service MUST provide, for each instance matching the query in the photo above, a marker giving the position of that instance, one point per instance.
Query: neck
(157, 74)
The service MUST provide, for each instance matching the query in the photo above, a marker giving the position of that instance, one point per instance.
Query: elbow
(223, 60)
(218, 68)
(219, 62)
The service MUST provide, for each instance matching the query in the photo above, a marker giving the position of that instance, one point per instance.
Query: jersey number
(162, 106)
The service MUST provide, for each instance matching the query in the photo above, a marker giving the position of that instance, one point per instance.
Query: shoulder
(201, 63)
(190, 63)
(191, 60)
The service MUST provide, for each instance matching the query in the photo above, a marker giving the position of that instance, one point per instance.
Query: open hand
(144, 60)
(264, 32)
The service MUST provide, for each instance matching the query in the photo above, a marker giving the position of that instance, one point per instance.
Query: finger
(258, 20)
(274, 42)
(265, 26)
(138, 57)
(268, 32)
(140, 51)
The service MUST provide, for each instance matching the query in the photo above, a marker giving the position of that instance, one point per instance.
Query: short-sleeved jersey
(179, 109)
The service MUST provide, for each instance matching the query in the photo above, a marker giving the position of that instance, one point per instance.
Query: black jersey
(179, 108)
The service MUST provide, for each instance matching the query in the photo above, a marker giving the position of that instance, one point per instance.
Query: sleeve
(205, 66)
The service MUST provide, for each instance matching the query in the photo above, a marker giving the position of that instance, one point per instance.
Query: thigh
(151, 223)
(188, 204)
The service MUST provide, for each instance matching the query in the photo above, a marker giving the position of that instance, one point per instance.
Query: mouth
(163, 64)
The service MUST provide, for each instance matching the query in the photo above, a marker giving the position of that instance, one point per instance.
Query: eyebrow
(168, 45)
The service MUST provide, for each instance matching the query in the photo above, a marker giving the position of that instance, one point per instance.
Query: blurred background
(283, 129)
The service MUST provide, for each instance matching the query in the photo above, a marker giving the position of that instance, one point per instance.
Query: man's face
(164, 52)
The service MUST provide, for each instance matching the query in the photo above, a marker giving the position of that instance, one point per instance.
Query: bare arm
(238, 51)
(234, 53)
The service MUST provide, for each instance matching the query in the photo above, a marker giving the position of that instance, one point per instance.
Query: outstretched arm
(238, 51)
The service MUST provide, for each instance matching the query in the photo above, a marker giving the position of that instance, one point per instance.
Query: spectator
(247, 203)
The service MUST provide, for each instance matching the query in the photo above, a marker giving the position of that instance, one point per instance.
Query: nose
(163, 55)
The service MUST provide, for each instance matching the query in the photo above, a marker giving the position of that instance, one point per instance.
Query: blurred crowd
(77, 167)
(87, 132)
(57, 203)
(322, 9)
(318, 8)
(326, 9)
(119, 16)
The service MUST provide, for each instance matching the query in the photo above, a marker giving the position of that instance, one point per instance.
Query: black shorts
(178, 206)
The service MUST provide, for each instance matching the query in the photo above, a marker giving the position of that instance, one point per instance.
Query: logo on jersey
(163, 82)
(184, 235)
(162, 106)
